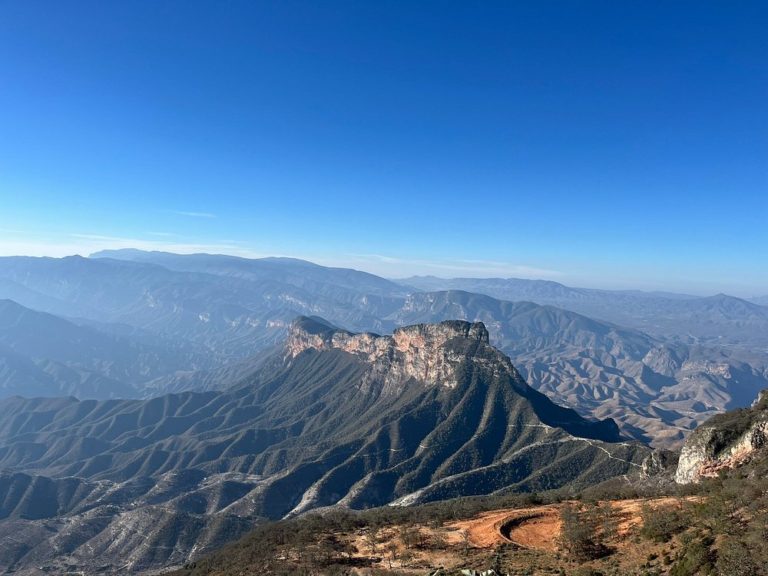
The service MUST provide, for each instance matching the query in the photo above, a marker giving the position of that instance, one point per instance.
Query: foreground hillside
(718, 531)
(332, 419)
(713, 522)
(526, 539)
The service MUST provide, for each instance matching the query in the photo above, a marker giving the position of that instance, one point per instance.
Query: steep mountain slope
(715, 320)
(654, 390)
(335, 418)
(43, 355)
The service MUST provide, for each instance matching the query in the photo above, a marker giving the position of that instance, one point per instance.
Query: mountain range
(656, 390)
(160, 322)
(331, 418)
(715, 320)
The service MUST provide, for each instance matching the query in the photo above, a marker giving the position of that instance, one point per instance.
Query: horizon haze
(600, 144)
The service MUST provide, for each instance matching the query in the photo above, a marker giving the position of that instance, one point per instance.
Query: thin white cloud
(84, 243)
(194, 214)
(397, 267)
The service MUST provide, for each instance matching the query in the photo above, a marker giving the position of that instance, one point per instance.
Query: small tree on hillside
(410, 535)
(372, 539)
(583, 533)
(391, 549)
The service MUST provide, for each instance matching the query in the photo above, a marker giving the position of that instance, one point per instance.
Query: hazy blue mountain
(300, 273)
(43, 355)
(655, 390)
(10, 290)
(231, 315)
(720, 319)
(501, 288)
(332, 418)
(760, 300)
(225, 312)
(21, 375)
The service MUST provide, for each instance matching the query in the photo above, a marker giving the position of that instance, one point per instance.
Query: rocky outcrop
(659, 463)
(724, 442)
(429, 353)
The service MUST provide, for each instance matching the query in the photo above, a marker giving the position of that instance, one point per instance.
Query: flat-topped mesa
(430, 353)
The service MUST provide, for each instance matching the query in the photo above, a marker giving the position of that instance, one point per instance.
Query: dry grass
(528, 536)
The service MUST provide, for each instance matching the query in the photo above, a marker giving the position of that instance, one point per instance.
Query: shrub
(695, 557)
(660, 524)
(734, 558)
(583, 534)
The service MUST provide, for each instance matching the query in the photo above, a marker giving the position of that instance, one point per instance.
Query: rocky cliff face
(432, 354)
(724, 442)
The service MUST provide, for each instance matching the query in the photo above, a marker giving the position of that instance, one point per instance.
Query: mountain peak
(430, 353)
(315, 332)
(444, 331)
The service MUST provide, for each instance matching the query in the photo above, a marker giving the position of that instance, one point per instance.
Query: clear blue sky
(610, 143)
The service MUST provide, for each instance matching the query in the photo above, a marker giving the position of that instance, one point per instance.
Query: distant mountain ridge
(227, 313)
(656, 390)
(760, 300)
(334, 418)
(300, 273)
(220, 314)
(713, 320)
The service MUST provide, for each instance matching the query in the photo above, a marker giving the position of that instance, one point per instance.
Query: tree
(734, 558)
(373, 538)
(695, 557)
(438, 540)
(661, 523)
(410, 535)
(465, 542)
(583, 531)
(391, 548)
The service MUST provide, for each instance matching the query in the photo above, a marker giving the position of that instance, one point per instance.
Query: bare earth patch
(531, 534)
(538, 528)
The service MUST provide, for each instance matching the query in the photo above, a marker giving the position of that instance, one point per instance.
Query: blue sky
(614, 144)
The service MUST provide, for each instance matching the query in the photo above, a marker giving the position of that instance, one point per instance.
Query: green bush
(695, 558)
(585, 531)
(661, 523)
